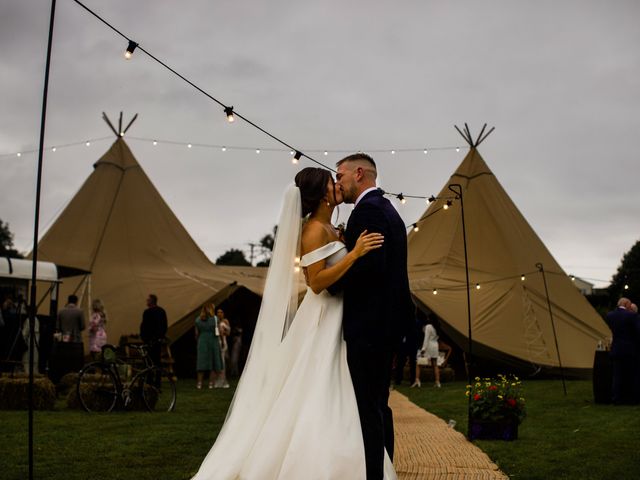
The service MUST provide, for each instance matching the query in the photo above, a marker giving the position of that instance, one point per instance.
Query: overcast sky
(560, 81)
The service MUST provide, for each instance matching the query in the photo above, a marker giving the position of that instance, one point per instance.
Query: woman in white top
(429, 350)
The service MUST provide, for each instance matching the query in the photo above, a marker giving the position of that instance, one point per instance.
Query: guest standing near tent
(209, 358)
(429, 353)
(97, 330)
(225, 330)
(625, 328)
(154, 328)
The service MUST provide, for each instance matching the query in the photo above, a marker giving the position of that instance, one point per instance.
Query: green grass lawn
(561, 437)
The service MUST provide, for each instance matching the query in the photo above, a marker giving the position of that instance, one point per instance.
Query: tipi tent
(119, 228)
(510, 316)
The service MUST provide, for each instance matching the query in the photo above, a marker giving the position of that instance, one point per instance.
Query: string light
(402, 199)
(522, 277)
(435, 291)
(53, 149)
(447, 205)
(19, 154)
(189, 145)
(224, 149)
(573, 278)
(228, 111)
(296, 157)
(626, 287)
(130, 49)
(426, 151)
(88, 144)
(257, 150)
(155, 143)
(393, 152)
(416, 228)
(477, 286)
(326, 153)
(431, 199)
(457, 149)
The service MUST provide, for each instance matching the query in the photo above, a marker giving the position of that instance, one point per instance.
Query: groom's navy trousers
(378, 312)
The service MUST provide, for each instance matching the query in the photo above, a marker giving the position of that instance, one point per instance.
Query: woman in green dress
(209, 356)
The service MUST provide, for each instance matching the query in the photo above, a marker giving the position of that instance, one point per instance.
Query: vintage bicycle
(110, 382)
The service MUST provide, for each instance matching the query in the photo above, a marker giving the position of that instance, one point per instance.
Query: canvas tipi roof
(510, 317)
(118, 227)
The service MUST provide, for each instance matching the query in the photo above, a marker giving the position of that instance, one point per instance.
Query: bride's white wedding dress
(301, 420)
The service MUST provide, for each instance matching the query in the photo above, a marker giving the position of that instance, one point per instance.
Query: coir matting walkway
(427, 448)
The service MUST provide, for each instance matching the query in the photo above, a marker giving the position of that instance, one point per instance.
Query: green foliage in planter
(498, 398)
(14, 393)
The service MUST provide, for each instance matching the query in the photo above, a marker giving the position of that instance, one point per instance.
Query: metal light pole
(457, 189)
(32, 301)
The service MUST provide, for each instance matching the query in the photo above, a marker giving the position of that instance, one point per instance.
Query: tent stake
(540, 267)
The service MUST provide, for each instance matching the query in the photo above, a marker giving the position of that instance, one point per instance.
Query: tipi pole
(540, 267)
(457, 189)
(36, 224)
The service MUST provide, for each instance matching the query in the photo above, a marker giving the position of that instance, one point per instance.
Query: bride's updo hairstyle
(312, 183)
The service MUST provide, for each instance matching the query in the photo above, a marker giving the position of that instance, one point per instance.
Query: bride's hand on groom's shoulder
(367, 242)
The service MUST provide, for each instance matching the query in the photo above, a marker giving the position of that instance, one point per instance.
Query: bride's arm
(318, 276)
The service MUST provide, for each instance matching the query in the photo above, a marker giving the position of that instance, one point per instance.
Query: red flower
(511, 402)
(477, 396)
(493, 388)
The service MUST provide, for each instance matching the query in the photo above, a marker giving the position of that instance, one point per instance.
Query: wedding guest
(625, 329)
(154, 328)
(71, 321)
(224, 327)
(429, 351)
(236, 349)
(97, 331)
(209, 358)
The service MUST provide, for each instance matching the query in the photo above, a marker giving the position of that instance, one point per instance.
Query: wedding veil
(266, 365)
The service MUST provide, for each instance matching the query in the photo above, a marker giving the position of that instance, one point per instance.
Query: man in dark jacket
(153, 328)
(625, 327)
(378, 310)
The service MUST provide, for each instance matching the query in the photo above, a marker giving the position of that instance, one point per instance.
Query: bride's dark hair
(312, 183)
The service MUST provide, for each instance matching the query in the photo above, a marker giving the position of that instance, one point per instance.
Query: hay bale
(14, 393)
(67, 383)
(97, 402)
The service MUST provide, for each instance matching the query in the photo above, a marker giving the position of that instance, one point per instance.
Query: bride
(294, 413)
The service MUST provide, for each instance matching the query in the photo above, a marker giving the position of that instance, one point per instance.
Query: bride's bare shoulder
(314, 235)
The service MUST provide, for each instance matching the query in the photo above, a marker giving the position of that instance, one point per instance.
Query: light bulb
(435, 291)
(224, 149)
(229, 113)
(416, 228)
(155, 142)
(326, 153)
(257, 150)
(477, 286)
(522, 278)
(88, 144)
(130, 49)
(19, 154)
(426, 151)
(53, 149)
(189, 145)
(296, 158)
(457, 149)
(393, 152)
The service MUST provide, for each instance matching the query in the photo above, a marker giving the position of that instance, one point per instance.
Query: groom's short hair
(360, 156)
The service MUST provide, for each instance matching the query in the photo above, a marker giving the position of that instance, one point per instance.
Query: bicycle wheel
(97, 388)
(159, 392)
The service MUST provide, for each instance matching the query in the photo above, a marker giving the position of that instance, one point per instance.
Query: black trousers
(624, 379)
(370, 369)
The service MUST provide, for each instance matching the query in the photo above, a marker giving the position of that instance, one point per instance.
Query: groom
(377, 303)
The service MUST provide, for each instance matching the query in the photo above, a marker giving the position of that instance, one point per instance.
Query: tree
(626, 281)
(6, 242)
(266, 243)
(233, 257)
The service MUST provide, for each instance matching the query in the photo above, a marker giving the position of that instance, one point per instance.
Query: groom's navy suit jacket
(378, 309)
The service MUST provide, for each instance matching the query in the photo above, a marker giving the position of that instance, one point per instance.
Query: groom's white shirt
(363, 194)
